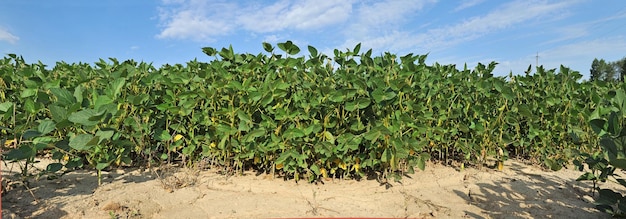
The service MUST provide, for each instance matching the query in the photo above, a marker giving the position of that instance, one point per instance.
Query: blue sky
(512, 33)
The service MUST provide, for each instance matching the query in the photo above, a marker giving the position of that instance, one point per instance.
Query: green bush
(608, 122)
(305, 117)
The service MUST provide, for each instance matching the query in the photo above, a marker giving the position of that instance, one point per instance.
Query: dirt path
(519, 191)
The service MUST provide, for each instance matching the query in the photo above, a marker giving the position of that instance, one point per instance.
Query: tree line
(602, 70)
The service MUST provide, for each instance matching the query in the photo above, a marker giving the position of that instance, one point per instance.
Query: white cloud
(203, 21)
(467, 4)
(378, 25)
(514, 13)
(7, 36)
(382, 16)
(271, 39)
(309, 14)
(584, 29)
(196, 20)
(520, 12)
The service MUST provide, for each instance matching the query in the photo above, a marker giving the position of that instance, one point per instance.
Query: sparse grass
(172, 177)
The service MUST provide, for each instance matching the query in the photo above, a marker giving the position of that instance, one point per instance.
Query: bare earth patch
(519, 191)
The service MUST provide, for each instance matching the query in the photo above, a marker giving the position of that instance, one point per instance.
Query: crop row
(312, 117)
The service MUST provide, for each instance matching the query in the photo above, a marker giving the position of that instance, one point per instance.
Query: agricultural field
(317, 130)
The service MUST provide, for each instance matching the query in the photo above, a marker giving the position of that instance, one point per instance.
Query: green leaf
(29, 134)
(6, 106)
(44, 140)
(244, 116)
(313, 128)
(315, 169)
(375, 133)
(116, 87)
(386, 156)
(83, 142)
(289, 47)
(58, 113)
(102, 101)
(292, 133)
(329, 137)
(619, 163)
(357, 126)
(336, 97)
(357, 48)
(380, 95)
(29, 92)
(188, 150)
(349, 141)
(268, 47)
(554, 165)
(360, 103)
(78, 93)
(209, 51)
(226, 130)
(255, 134)
(46, 126)
(421, 160)
(85, 117)
(162, 135)
(507, 93)
(104, 135)
(29, 106)
(64, 97)
(608, 197)
(313, 51)
(54, 167)
(21, 153)
(101, 166)
(587, 176)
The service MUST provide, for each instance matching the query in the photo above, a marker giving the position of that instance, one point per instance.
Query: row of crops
(305, 117)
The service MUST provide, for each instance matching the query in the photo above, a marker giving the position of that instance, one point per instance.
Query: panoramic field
(280, 135)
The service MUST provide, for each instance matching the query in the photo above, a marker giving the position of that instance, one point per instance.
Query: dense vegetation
(305, 117)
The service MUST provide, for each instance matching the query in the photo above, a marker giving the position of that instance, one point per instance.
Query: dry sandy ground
(519, 191)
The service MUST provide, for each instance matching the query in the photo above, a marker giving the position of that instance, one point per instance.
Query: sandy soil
(519, 191)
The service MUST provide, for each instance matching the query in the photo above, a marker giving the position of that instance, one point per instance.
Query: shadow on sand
(30, 199)
(531, 195)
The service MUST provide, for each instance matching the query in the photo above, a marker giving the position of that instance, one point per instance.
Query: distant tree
(595, 71)
(607, 71)
(620, 67)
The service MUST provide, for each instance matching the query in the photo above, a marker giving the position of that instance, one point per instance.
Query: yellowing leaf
(9, 142)
(212, 145)
(323, 172)
(66, 157)
(257, 160)
(178, 137)
(356, 167)
(343, 166)
(279, 166)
